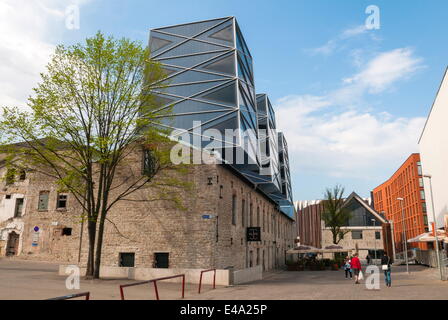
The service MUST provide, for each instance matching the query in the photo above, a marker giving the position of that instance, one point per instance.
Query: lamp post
(392, 231)
(404, 234)
(435, 227)
(374, 229)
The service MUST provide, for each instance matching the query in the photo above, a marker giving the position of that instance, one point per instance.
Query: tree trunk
(99, 246)
(91, 227)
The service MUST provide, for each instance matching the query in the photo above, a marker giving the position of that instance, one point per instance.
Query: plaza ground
(21, 279)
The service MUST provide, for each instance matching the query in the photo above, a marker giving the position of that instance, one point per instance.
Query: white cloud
(385, 69)
(333, 44)
(336, 135)
(26, 27)
(352, 32)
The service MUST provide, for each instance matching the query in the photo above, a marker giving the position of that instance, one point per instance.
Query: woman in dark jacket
(386, 266)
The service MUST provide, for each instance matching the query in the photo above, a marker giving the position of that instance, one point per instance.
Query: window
(422, 194)
(67, 231)
(127, 259)
(62, 201)
(251, 221)
(425, 220)
(8, 196)
(43, 200)
(19, 207)
(234, 209)
(377, 235)
(357, 234)
(420, 182)
(149, 163)
(243, 216)
(419, 168)
(22, 175)
(424, 207)
(161, 260)
(10, 176)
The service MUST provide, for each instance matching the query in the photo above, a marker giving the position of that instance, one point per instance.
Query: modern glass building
(210, 79)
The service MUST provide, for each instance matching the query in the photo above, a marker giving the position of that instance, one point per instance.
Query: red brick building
(406, 183)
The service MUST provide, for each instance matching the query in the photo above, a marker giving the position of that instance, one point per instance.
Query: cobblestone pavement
(39, 280)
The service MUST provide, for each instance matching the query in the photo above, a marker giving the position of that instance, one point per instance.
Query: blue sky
(351, 101)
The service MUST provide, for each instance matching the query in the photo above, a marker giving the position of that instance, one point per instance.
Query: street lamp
(404, 234)
(435, 227)
(392, 231)
(374, 229)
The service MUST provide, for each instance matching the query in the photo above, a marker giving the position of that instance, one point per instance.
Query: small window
(62, 201)
(424, 207)
(127, 259)
(8, 196)
(377, 235)
(149, 163)
(422, 194)
(10, 176)
(22, 175)
(161, 260)
(357, 234)
(67, 231)
(234, 199)
(18, 208)
(43, 200)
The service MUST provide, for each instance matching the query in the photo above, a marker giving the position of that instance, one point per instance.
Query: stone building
(209, 233)
(367, 229)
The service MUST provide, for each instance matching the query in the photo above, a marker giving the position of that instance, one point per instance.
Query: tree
(95, 106)
(334, 214)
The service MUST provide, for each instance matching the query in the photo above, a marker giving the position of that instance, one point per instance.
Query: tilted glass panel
(190, 89)
(191, 47)
(228, 122)
(196, 106)
(186, 121)
(158, 42)
(225, 94)
(225, 34)
(240, 42)
(222, 34)
(162, 101)
(194, 76)
(224, 64)
(192, 29)
(190, 61)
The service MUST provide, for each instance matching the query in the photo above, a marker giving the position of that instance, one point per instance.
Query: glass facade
(209, 78)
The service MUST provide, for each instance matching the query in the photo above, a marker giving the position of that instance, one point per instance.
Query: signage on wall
(207, 216)
(253, 234)
(35, 236)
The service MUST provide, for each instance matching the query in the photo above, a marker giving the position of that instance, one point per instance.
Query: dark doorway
(161, 260)
(127, 259)
(13, 244)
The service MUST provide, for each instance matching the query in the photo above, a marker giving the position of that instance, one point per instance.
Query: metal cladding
(209, 78)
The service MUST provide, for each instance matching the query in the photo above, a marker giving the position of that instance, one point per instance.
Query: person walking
(368, 259)
(347, 267)
(356, 267)
(386, 266)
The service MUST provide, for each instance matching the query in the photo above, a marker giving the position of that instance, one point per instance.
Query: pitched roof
(356, 197)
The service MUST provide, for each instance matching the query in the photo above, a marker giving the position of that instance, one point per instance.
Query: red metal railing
(72, 296)
(154, 281)
(214, 279)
